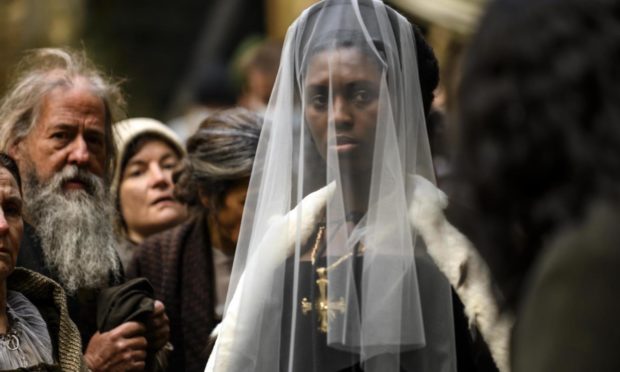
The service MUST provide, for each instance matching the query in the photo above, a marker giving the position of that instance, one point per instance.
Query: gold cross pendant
(326, 310)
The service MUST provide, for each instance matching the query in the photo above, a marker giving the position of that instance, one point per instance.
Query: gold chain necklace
(325, 309)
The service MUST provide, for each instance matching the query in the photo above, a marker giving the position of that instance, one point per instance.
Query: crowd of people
(305, 231)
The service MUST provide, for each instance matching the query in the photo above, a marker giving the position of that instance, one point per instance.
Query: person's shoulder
(575, 282)
(25, 280)
(594, 243)
(167, 241)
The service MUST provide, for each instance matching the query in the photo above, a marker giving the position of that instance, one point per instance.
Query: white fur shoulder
(468, 274)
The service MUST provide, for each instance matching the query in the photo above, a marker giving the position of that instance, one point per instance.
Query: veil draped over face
(329, 273)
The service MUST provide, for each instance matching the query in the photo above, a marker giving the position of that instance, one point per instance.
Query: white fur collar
(453, 254)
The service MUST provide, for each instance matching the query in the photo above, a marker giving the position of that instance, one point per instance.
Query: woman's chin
(5, 270)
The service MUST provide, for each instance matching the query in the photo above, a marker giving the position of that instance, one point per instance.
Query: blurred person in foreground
(56, 121)
(342, 262)
(190, 265)
(148, 154)
(36, 333)
(539, 161)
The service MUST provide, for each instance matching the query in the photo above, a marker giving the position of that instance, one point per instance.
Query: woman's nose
(158, 177)
(341, 113)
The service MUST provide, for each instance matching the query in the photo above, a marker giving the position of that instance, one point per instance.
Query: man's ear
(15, 150)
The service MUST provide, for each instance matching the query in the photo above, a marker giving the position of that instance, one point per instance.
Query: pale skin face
(225, 223)
(11, 223)
(354, 80)
(70, 130)
(146, 191)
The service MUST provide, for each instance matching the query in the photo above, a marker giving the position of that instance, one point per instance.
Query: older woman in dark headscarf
(35, 330)
(189, 266)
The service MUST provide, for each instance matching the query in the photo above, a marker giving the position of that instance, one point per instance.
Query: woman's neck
(217, 240)
(135, 237)
(4, 318)
(355, 192)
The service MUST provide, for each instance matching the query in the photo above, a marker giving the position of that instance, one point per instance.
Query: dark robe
(313, 354)
(179, 264)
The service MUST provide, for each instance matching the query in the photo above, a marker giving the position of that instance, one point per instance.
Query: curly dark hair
(540, 126)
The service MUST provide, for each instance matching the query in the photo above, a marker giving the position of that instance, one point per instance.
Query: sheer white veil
(343, 147)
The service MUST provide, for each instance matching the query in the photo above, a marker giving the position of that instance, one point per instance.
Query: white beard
(75, 228)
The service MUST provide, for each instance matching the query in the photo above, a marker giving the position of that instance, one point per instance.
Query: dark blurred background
(161, 49)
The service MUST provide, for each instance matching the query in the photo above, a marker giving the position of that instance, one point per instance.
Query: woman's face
(11, 223)
(354, 81)
(146, 191)
(228, 214)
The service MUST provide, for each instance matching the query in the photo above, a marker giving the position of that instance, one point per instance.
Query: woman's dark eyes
(319, 101)
(358, 94)
(135, 172)
(169, 165)
(361, 97)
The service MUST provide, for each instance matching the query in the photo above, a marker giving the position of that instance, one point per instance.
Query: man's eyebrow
(99, 131)
(73, 127)
(64, 126)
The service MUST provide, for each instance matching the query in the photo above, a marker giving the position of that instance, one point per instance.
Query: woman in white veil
(329, 274)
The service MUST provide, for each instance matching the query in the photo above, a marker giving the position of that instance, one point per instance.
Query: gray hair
(39, 72)
(220, 153)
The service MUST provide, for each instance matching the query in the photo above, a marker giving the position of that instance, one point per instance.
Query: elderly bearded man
(56, 122)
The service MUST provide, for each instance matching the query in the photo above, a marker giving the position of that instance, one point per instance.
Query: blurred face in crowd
(11, 223)
(70, 130)
(259, 86)
(354, 81)
(146, 191)
(226, 218)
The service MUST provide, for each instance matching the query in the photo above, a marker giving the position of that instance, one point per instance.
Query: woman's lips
(344, 144)
(163, 200)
